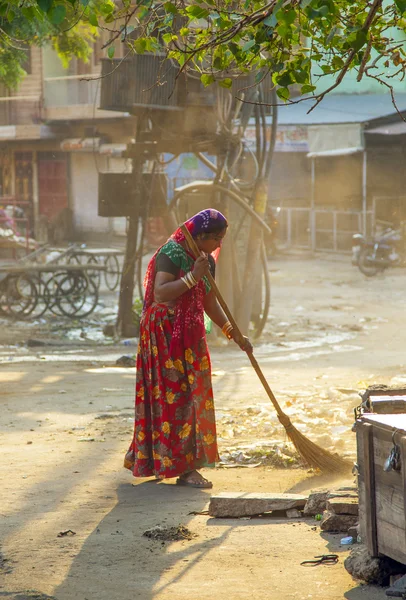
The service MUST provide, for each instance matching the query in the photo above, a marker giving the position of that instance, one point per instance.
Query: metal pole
(312, 207)
(364, 192)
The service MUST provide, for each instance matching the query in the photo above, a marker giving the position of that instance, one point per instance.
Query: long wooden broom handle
(196, 252)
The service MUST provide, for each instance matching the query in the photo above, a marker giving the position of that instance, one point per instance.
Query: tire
(22, 296)
(364, 265)
(70, 294)
(77, 296)
(94, 275)
(112, 272)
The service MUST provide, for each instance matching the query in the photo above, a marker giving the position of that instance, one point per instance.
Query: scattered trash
(132, 342)
(169, 534)
(324, 559)
(86, 439)
(66, 532)
(347, 541)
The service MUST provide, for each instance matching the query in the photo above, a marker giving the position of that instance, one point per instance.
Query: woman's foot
(194, 479)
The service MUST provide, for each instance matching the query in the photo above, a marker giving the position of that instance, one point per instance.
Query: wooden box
(382, 495)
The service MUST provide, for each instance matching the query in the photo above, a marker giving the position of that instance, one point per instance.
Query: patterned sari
(175, 429)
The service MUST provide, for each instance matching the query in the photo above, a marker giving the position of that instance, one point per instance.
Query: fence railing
(325, 230)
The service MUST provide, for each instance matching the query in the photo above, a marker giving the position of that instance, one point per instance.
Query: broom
(312, 454)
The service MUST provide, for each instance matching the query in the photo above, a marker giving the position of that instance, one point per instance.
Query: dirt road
(66, 421)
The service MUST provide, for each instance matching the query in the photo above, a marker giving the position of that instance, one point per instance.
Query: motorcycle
(384, 251)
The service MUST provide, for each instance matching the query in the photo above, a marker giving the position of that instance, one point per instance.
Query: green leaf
(140, 45)
(271, 21)
(301, 76)
(126, 32)
(360, 40)
(167, 38)
(287, 17)
(248, 45)
(28, 12)
(283, 93)
(57, 14)
(111, 51)
(106, 8)
(226, 83)
(197, 12)
(93, 19)
(84, 2)
(284, 80)
(206, 79)
(170, 8)
(184, 31)
(307, 89)
(401, 6)
(305, 3)
(45, 5)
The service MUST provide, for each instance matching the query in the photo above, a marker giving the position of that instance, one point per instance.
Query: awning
(335, 140)
(81, 144)
(336, 152)
(115, 150)
(398, 128)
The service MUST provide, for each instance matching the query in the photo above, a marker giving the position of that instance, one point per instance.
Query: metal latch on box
(392, 463)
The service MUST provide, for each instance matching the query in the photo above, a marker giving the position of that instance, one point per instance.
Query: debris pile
(169, 534)
(339, 510)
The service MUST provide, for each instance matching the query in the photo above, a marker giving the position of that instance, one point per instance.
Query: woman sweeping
(175, 431)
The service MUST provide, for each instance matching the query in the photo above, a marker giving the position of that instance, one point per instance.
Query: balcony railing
(72, 90)
(20, 110)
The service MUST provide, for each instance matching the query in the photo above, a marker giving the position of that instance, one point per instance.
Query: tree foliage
(219, 39)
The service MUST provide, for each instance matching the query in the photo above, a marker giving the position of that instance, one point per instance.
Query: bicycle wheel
(22, 296)
(44, 297)
(112, 272)
(91, 299)
(94, 275)
(71, 293)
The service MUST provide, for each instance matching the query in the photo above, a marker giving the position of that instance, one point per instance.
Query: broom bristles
(314, 455)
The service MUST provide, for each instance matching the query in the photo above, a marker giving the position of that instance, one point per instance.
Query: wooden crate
(382, 495)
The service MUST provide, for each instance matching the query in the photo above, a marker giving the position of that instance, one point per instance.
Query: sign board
(289, 138)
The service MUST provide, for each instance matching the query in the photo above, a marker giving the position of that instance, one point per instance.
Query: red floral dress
(175, 429)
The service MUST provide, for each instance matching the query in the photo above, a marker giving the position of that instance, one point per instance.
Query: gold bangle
(186, 282)
(227, 329)
(193, 279)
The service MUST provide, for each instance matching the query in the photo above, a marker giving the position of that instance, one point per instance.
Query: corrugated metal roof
(341, 108)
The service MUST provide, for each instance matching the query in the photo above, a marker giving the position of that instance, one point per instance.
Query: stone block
(293, 513)
(240, 504)
(333, 522)
(343, 506)
(316, 504)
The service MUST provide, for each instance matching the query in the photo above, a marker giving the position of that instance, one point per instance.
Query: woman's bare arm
(167, 287)
(213, 309)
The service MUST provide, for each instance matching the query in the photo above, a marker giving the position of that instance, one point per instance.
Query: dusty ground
(66, 421)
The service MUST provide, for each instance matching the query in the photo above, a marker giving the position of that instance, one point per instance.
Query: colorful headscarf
(189, 319)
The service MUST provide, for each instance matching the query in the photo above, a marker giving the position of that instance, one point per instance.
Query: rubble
(316, 503)
(169, 534)
(362, 566)
(333, 523)
(343, 506)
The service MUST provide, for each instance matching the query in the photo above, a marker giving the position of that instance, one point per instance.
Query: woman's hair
(213, 227)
